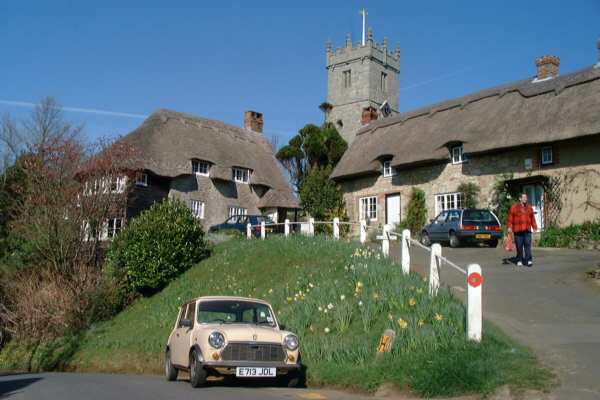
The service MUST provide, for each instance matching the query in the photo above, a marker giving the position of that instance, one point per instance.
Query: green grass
(339, 299)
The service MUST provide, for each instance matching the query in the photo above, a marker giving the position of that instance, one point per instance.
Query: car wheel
(170, 371)
(425, 240)
(494, 243)
(197, 372)
(454, 241)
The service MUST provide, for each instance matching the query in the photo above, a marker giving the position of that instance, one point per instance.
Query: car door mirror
(432, 221)
(282, 327)
(186, 323)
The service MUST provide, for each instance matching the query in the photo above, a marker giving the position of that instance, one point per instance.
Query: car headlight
(216, 340)
(291, 342)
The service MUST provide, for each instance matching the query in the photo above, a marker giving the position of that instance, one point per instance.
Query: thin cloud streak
(439, 78)
(77, 109)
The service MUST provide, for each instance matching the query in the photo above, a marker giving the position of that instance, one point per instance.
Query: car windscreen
(479, 217)
(235, 312)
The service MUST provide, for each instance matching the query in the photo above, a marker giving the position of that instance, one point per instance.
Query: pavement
(552, 307)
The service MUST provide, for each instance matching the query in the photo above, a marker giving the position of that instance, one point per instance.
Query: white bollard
(434, 272)
(405, 252)
(286, 228)
(336, 228)
(363, 231)
(385, 240)
(263, 232)
(249, 231)
(311, 226)
(474, 307)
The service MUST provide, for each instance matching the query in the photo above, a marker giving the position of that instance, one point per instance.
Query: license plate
(255, 372)
(483, 236)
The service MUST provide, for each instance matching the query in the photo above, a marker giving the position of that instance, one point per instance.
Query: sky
(111, 63)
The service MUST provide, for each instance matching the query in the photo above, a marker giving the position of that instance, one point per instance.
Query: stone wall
(577, 166)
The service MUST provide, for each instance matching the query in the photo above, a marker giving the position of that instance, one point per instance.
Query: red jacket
(521, 218)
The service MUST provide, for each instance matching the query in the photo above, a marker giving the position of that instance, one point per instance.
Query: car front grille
(260, 352)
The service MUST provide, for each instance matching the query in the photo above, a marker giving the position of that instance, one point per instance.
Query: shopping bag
(509, 243)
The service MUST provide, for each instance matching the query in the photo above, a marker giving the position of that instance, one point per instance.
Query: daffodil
(270, 291)
(329, 306)
(438, 317)
(412, 302)
(390, 317)
(342, 297)
(402, 323)
(360, 303)
(421, 323)
(326, 330)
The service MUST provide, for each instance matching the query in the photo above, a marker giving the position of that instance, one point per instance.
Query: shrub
(156, 247)
(470, 191)
(416, 215)
(322, 198)
(572, 236)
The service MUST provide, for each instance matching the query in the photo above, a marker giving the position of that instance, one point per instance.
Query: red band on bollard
(475, 279)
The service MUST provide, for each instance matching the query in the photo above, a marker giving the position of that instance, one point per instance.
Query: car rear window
(479, 216)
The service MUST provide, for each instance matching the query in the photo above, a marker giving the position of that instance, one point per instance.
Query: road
(551, 307)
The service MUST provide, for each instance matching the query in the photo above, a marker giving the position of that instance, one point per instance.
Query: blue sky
(218, 59)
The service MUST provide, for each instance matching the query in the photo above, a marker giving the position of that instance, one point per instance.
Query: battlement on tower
(371, 50)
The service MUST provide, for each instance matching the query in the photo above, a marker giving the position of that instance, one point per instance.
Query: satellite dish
(385, 109)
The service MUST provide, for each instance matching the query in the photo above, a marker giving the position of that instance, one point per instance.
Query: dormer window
(547, 155)
(241, 175)
(141, 179)
(456, 152)
(200, 167)
(388, 170)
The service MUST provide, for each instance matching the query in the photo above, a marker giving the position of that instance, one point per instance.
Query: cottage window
(141, 179)
(547, 155)
(200, 167)
(448, 201)
(233, 211)
(388, 170)
(113, 226)
(384, 82)
(241, 175)
(368, 208)
(197, 208)
(347, 78)
(457, 154)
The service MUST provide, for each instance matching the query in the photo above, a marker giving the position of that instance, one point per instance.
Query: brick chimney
(547, 67)
(253, 121)
(368, 114)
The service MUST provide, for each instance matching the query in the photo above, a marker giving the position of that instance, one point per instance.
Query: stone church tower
(360, 78)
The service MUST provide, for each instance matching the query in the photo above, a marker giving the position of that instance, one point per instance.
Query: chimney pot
(253, 121)
(547, 67)
(368, 114)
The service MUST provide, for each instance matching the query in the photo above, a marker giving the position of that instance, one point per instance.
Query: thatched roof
(520, 113)
(169, 140)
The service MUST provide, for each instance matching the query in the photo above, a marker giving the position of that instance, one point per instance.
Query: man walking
(521, 222)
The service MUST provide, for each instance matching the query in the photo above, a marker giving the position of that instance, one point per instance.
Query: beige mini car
(231, 336)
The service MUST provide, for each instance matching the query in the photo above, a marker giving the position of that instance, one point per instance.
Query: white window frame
(448, 201)
(141, 179)
(236, 210)
(241, 175)
(545, 151)
(457, 154)
(197, 207)
(107, 231)
(201, 167)
(388, 170)
(368, 208)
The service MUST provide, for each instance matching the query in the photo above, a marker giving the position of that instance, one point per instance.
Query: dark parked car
(239, 222)
(462, 226)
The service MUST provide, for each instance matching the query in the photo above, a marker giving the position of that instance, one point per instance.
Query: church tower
(360, 78)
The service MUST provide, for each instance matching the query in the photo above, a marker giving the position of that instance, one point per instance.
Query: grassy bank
(339, 299)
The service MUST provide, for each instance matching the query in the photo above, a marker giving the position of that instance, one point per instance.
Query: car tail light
(469, 227)
(495, 228)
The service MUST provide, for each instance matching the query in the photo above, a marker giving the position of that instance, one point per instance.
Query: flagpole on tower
(363, 12)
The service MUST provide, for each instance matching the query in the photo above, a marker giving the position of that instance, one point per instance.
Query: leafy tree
(470, 192)
(320, 196)
(312, 147)
(416, 215)
(156, 247)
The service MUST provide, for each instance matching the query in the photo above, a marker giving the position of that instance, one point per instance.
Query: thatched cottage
(219, 170)
(540, 135)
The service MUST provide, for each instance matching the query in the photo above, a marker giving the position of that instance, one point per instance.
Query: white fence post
(434, 275)
(286, 228)
(249, 231)
(474, 308)
(336, 228)
(363, 231)
(385, 241)
(405, 252)
(263, 233)
(311, 226)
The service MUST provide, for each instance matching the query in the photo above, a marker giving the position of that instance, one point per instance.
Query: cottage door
(535, 196)
(392, 209)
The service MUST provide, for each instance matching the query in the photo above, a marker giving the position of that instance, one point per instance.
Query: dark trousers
(523, 243)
